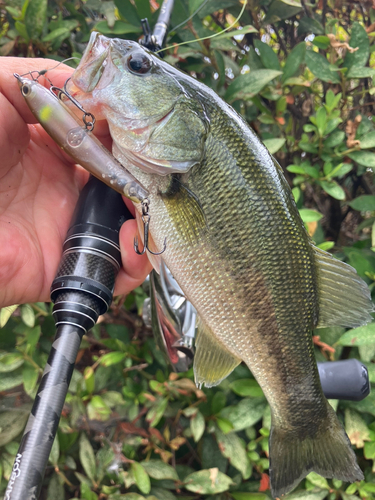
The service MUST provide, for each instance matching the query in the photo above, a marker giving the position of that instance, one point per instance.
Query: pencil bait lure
(66, 130)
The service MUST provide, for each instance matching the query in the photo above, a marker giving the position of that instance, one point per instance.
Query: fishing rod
(81, 291)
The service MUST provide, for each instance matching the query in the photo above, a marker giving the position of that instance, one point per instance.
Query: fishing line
(210, 36)
(190, 17)
(43, 72)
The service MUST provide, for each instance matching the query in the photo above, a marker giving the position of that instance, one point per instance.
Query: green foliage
(130, 430)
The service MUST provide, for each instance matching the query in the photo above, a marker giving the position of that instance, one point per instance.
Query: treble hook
(146, 221)
(89, 125)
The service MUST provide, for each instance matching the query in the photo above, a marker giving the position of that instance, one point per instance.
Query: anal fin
(212, 361)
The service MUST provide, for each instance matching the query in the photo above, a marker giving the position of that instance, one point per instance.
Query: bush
(303, 76)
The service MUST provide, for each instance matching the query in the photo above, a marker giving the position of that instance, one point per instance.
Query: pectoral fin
(212, 361)
(344, 298)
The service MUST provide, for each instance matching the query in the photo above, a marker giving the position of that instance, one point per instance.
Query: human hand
(39, 188)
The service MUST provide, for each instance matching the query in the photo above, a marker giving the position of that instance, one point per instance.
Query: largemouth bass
(235, 244)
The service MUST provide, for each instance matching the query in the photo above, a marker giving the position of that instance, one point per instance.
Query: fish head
(154, 117)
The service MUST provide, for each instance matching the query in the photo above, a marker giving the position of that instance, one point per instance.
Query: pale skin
(39, 188)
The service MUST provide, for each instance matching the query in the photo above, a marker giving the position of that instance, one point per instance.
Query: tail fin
(328, 453)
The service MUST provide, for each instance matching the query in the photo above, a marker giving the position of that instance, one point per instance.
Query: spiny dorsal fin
(344, 298)
(212, 362)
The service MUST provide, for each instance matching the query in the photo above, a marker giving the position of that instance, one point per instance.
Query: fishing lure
(66, 130)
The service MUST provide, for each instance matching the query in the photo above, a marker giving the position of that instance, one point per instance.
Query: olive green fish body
(237, 247)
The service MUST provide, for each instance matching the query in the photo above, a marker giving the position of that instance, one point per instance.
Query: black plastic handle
(346, 379)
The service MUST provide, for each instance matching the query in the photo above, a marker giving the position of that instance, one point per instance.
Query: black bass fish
(235, 244)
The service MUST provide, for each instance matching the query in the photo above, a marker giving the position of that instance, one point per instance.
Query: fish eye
(138, 63)
(25, 89)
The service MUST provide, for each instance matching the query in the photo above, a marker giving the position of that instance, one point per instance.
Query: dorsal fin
(344, 298)
(212, 361)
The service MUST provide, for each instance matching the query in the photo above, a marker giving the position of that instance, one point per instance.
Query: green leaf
(30, 377)
(87, 457)
(89, 377)
(218, 402)
(363, 203)
(320, 67)
(308, 147)
(333, 189)
(332, 124)
(36, 18)
(267, 55)
(244, 495)
(142, 479)
(308, 215)
(55, 489)
(294, 61)
(332, 100)
(296, 169)
(341, 170)
(321, 120)
(279, 10)
(359, 38)
(156, 412)
(97, 409)
(337, 137)
(296, 194)
(197, 425)
(233, 448)
(5, 314)
(27, 315)
(368, 140)
(12, 423)
(310, 25)
(128, 12)
(119, 28)
(322, 42)
(158, 469)
(10, 361)
(250, 84)
(293, 3)
(194, 5)
(364, 158)
(315, 494)
(86, 493)
(318, 480)
(55, 452)
(273, 145)
(238, 32)
(326, 245)
(112, 358)
(208, 482)
(224, 425)
(369, 450)
(10, 380)
(245, 414)
(356, 428)
(356, 72)
(59, 32)
(358, 336)
(21, 28)
(246, 387)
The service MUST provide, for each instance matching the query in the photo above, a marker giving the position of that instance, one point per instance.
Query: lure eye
(25, 89)
(138, 63)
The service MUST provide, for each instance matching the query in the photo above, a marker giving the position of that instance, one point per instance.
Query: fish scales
(235, 244)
